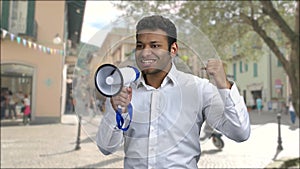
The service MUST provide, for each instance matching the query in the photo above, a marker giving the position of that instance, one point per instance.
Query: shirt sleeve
(231, 118)
(109, 138)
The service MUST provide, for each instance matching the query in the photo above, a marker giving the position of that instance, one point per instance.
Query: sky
(98, 14)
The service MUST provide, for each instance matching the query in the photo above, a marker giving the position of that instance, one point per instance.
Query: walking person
(27, 110)
(292, 113)
(259, 105)
(169, 106)
(3, 105)
(12, 106)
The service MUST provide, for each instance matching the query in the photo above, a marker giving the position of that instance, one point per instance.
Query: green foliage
(221, 21)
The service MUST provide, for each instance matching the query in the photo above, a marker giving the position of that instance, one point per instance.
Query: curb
(286, 162)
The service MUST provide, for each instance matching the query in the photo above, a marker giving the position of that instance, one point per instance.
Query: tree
(225, 22)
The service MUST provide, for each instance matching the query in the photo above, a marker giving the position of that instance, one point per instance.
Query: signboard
(278, 84)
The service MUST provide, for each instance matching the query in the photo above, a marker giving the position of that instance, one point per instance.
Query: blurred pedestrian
(12, 106)
(27, 110)
(3, 105)
(292, 113)
(259, 105)
(20, 97)
(69, 106)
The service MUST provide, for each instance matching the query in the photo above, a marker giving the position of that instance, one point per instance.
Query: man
(169, 106)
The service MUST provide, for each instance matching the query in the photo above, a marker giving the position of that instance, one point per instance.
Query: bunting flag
(12, 37)
(30, 44)
(4, 32)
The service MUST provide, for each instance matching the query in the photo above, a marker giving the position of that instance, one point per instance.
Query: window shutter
(30, 28)
(255, 70)
(5, 14)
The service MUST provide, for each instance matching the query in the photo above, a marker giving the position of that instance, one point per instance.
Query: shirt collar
(170, 79)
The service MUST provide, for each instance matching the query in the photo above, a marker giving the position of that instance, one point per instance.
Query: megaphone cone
(109, 80)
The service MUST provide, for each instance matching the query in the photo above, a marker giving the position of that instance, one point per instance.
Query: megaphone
(109, 79)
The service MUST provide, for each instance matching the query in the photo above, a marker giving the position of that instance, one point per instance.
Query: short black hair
(155, 22)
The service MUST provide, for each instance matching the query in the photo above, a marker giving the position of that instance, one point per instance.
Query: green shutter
(5, 14)
(30, 18)
(279, 64)
(234, 71)
(241, 67)
(255, 72)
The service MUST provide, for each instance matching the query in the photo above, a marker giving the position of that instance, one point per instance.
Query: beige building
(262, 77)
(38, 43)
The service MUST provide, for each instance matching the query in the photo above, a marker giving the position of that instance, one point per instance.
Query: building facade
(262, 77)
(37, 40)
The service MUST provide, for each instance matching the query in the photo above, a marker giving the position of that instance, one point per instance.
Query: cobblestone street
(53, 146)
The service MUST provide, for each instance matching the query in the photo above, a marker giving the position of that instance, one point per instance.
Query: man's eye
(139, 46)
(155, 46)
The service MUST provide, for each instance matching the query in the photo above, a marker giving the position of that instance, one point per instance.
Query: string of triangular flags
(30, 44)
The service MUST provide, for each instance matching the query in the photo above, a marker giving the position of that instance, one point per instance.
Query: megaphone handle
(119, 118)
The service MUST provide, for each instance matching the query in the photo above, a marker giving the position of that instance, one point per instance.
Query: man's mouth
(148, 62)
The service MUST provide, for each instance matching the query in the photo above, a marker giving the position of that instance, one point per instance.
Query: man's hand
(122, 99)
(215, 69)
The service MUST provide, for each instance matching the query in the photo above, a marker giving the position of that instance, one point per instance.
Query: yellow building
(38, 51)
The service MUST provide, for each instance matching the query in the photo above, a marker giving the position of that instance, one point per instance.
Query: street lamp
(57, 40)
(279, 146)
(77, 147)
(279, 141)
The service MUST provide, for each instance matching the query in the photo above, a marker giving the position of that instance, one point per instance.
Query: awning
(255, 86)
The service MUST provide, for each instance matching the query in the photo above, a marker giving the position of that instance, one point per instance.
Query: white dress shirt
(166, 123)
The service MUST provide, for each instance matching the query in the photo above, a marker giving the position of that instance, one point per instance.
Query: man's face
(152, 55)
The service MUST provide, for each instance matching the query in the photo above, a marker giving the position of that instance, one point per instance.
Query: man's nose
(146, 52)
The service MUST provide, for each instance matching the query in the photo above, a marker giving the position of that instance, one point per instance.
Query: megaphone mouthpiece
(109, 80)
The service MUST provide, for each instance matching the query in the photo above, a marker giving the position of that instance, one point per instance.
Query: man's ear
(174, 49)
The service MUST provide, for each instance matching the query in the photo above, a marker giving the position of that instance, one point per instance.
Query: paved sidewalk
(53, 146)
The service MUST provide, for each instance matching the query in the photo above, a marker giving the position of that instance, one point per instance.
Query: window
(279, 64)
(241, 67)
(246, 67)
(255, 70)
(18, 17)
(234, 71)
(234, 50)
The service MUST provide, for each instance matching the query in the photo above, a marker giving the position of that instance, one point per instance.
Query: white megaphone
(109, 79)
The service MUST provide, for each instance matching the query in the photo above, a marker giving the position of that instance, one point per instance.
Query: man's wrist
(229, 84)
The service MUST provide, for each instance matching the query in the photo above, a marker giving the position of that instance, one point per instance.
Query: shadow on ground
(103, 163)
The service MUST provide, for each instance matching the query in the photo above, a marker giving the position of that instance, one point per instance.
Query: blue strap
(120, 120)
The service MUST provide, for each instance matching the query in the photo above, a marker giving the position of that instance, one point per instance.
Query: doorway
(256, 94)
(18, 80)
